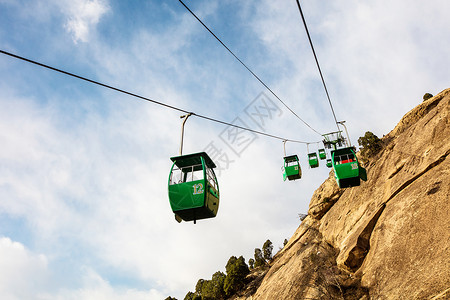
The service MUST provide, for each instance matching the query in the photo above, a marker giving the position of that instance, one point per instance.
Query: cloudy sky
(84, 212)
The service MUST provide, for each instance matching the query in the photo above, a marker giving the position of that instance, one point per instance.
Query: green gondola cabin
(313, 160)
(193, 187)
(347, 170)
(322, 154)
(291, 168)
(329, 163)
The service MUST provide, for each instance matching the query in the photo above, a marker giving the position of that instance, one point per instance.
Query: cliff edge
(386, 239)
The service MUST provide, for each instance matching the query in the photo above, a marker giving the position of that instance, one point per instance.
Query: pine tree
(267, 250)
(189, 296)
(370, 143)
(198, 289)
(213, 289)
(251, 263)
(236, 269)
(259, 258)
(427, 96)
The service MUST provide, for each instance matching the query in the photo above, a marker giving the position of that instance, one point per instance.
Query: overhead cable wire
(317, 62)
(148, 99)
(248, 69)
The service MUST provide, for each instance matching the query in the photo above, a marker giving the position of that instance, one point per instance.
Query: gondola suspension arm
(184, 117)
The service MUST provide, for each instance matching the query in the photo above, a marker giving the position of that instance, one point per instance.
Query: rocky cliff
(386, 239)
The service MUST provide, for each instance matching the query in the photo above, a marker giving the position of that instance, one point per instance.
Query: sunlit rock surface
(386, 239)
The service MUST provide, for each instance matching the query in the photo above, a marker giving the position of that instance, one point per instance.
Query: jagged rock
(386, 239)
(324, 197)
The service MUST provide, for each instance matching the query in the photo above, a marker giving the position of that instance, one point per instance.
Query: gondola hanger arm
(184, 117)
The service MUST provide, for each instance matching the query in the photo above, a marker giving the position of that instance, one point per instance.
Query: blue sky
(84, 212)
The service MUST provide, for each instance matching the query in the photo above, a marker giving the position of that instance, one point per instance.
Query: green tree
(259, 258)
(207, 290)
(189, 296)
(267, 250)
(427, 96)
(236, 269)
(251, 263)
(370, 143)
(213, 289)
(198, 289)
(218, 280)
(170, 298)
(230, 263)
(285, 242)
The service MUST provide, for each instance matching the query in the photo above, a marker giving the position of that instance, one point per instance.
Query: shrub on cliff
(267, 250)
(370, 143)
(259, 258)
(251, 263)
(427, 96)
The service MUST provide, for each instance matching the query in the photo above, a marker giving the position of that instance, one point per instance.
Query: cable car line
(317, 63)
(90, 80)
(248, 69)
(148, 99)
(347, 170)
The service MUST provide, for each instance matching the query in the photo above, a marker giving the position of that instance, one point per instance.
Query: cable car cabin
(322, 154)
(347, 170)
(329, 163)
(313, 160)
(193, 187)
(291, 168)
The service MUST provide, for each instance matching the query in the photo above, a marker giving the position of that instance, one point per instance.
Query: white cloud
(83, 16)
(23, 274)
(26, 275)
(97, 288)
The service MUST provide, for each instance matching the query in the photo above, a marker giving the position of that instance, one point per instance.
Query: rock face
(386, 239)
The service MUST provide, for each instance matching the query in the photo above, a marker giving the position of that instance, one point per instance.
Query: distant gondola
(291, 168)
(313, 160)
(322, 154)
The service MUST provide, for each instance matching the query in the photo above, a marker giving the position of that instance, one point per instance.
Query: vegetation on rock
(267, 250)
(251, 263)
(427, 96)
(259, 258)
(223, 286)
(214, 288)
(371, 145)
(237, 269)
